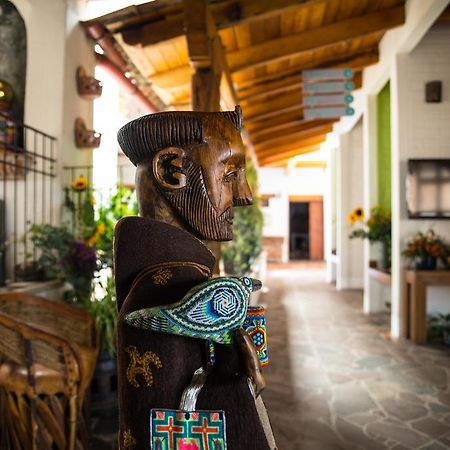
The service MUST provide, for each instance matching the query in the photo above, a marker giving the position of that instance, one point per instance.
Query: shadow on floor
(336, 380)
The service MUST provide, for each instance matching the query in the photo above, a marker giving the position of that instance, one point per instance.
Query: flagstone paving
(337, 381)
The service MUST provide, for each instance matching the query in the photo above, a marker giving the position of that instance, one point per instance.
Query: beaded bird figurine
(212, 310)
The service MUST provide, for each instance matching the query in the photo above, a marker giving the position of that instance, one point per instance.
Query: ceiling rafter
(296, 132)
(290, 84)
(161, 28)
(290, 143)
(287, 154)
(182, 75)
(289, 122)
(294, 44)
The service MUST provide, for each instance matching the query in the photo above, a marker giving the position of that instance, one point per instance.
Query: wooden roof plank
(355, 62)
(287, 145)
(226, 14)
(283, 155)
(301, 136)
(290, 128)
(287, 46)
(265, 90)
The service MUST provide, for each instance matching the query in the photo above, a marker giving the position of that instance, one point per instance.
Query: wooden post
(205, 49)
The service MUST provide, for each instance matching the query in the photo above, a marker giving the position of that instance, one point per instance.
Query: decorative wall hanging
(85, 138)
(88, 87)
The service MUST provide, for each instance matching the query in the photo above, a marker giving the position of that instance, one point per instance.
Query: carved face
(203, 182)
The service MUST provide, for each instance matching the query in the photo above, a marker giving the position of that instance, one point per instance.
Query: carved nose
(243, 201)
(242, 195)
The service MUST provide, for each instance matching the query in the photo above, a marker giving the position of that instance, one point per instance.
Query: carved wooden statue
(178, 328)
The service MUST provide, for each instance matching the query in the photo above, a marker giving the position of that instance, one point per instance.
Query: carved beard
(193, 204)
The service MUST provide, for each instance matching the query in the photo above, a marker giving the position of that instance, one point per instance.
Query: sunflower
(92, 240)
(101, 228)
(359, 214)
(80, 183)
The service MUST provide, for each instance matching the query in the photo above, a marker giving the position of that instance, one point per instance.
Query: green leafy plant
(439, 328)
(122, 203)
(376, 228)
(66, 258)
(104, 309)
(240, 254)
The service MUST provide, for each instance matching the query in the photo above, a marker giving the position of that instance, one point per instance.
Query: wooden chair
(48, 352)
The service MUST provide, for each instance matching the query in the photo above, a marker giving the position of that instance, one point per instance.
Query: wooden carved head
(190, 169)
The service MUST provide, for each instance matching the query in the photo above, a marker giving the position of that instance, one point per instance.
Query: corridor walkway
(336, 381)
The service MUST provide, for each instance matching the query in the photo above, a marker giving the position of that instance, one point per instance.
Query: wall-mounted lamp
(88, 87)
(433, 92)
(85, 138)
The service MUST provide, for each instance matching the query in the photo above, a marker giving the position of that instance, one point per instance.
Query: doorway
(306, 229)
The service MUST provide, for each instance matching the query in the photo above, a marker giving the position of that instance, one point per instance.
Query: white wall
(349, 194)
(422, 131)
(56, 47)
(413, 125)
(282, 183)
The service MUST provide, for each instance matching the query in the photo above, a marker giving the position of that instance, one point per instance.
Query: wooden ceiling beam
(286, 162)
(276, 122)
(294, 44)
(296, 107)
(356, 63)
(226, 14)
(250, 86)
(264, 133)
(282, 104)
(283, 155)
(295, 132)
(292, 84)
(278, 103)
(293, 144)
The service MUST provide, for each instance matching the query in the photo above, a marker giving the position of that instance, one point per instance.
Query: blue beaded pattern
(211, 311)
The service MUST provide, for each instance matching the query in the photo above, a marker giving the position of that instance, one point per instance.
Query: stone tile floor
(336, 380)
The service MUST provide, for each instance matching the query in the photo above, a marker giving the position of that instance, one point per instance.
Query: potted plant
(424, 249)
(377, 228)
(104, 308)
(439, 328)
(66, 258)
(240, 254)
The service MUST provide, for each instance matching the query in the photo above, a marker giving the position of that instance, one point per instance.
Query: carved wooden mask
(198, 168)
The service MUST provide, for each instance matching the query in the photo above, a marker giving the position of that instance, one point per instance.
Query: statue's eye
(230, 176)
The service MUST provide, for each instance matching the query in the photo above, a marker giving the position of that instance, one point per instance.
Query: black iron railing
(27, 190)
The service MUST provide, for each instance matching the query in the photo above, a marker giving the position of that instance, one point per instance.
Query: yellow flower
(101, 228)
(351, 218)
(92, 240)
(80, 183)
(92, 201)
(359, 214)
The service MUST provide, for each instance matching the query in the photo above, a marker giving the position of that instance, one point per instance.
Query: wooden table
(414, 307)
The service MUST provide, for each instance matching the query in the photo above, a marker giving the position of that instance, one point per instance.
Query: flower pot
(104, 386)
(426, 262)
(385, 262)
(446, 338)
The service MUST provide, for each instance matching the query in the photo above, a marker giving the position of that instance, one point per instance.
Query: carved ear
(167, 168)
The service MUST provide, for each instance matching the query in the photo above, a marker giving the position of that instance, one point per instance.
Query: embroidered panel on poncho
(181, 430)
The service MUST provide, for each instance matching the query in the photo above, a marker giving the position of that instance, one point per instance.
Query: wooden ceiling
(266, 45)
